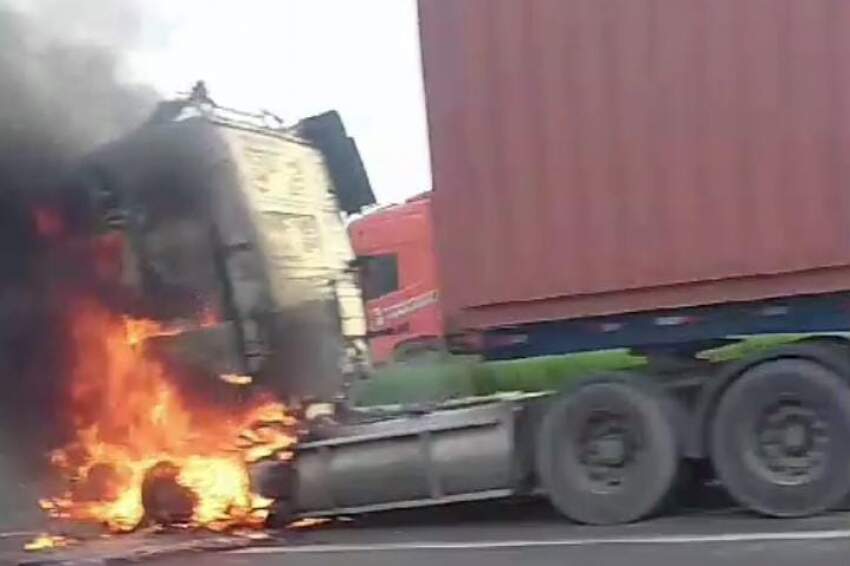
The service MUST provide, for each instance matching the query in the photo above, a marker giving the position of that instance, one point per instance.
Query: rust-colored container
(602, 156)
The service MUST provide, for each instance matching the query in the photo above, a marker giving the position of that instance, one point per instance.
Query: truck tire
(280, 514)
(607, 453)
(780, 438)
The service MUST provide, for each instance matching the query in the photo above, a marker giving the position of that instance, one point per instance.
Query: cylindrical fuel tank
(440, 455)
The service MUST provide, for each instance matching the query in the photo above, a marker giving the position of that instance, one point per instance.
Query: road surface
(498, 534)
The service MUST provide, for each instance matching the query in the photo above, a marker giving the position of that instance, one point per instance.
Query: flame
(46, 541)
(236, 379)
(138, 330)
(308, 522)
(131, 419)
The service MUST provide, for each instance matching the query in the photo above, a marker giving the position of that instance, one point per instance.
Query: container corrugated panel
(602, 156)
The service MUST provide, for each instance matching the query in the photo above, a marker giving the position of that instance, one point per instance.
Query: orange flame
(129, 416)
(308, 522)
(46, 541)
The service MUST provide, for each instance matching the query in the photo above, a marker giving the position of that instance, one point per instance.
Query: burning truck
(234, 251)
(208, 294)
(222, 213)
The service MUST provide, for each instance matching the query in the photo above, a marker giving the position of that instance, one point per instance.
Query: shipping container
(596, 157)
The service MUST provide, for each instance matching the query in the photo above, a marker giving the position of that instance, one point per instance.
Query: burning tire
(165, 501)
(780, 439)
(607, 453)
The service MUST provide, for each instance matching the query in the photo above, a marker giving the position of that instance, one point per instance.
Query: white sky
(301, 57)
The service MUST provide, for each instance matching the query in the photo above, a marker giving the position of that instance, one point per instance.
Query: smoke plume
(61, 94)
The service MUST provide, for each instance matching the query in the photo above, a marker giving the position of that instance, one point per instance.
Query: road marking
(510, 544)
(14, 534)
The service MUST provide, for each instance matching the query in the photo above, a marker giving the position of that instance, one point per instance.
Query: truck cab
(242, 218)
(398, 275)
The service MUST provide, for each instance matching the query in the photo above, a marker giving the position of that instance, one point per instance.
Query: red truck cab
(394, 248)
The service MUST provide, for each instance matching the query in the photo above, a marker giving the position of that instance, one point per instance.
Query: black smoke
(62, 93)
(59, 96)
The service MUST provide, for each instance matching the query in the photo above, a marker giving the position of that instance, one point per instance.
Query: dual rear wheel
(607, 453)
(779, 442)
(780, 438)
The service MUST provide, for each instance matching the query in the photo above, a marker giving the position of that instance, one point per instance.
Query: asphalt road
(497, 534)
(531, 535)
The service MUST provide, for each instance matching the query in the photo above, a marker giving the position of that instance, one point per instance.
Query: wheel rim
(790, 443)
(606, 448)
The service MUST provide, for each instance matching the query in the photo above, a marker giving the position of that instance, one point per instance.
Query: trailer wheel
(607, 453)
(780, 439)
